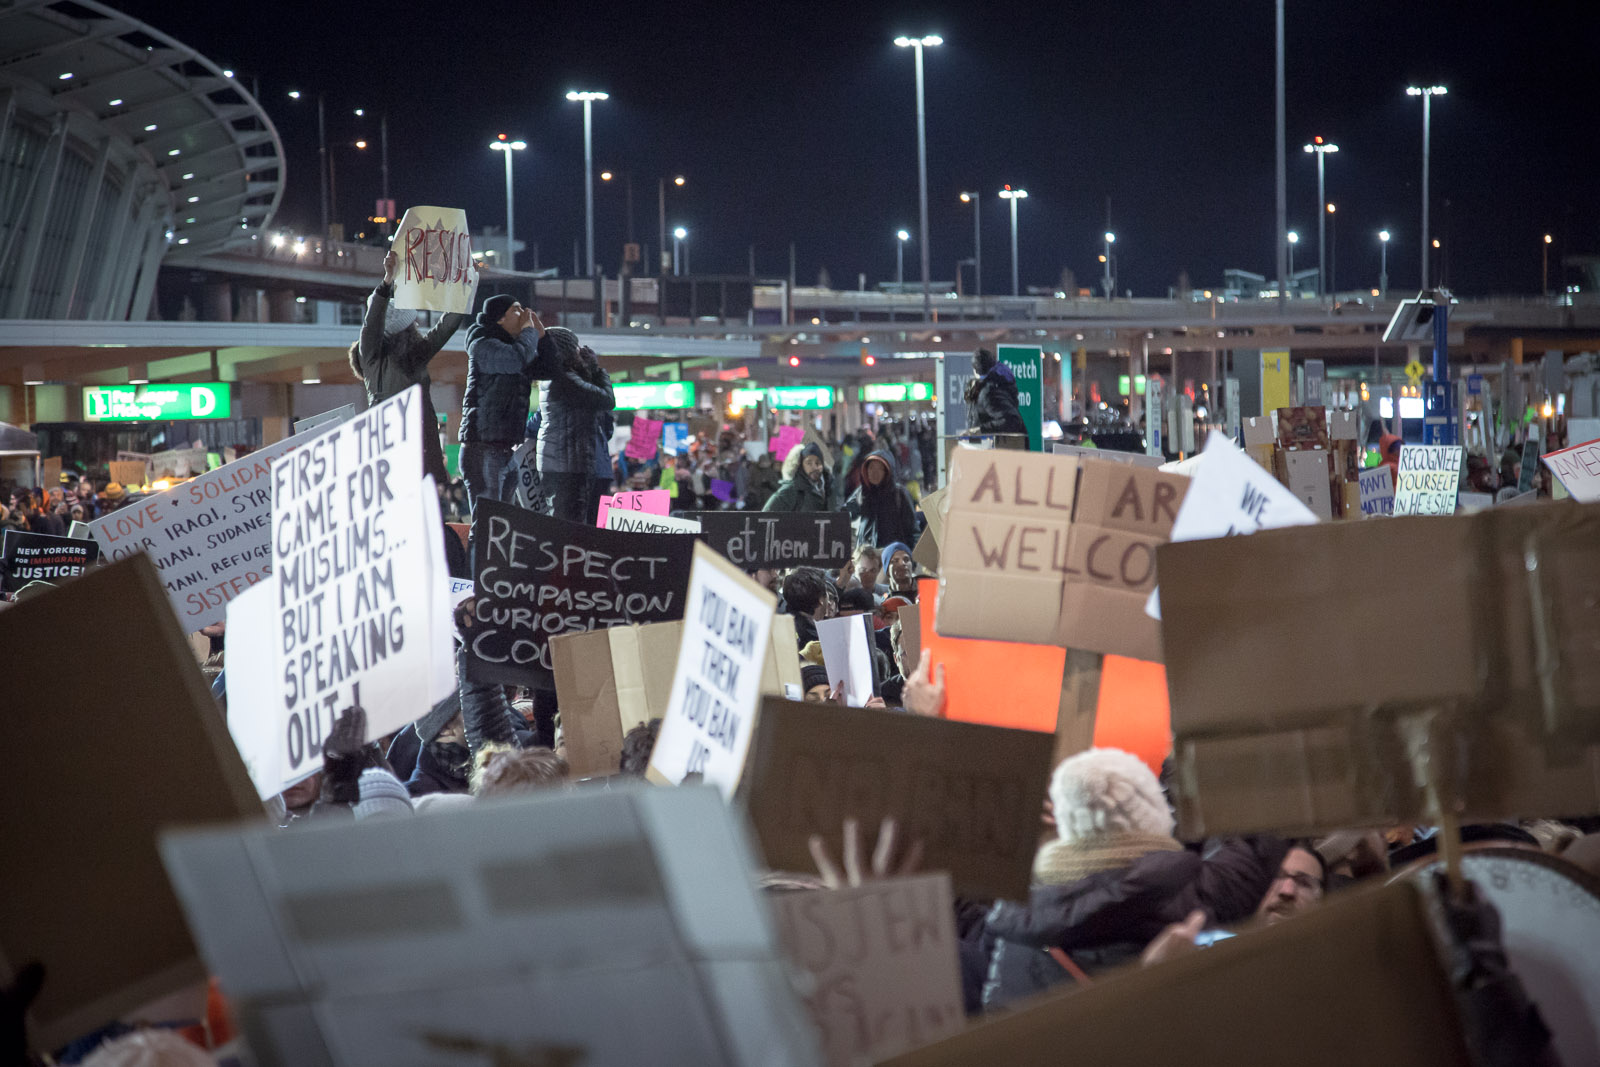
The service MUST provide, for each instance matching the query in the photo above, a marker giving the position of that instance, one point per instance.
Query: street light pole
(661, 203)
(1383, 264)
(1294, 239)
(977, 245)
(505, 148)
(917, 44)
(1283, 173)
(677, 241)
(1544, 285)
(1333, 252)
(588, 100)
(901, 237)
(1427, 93)
(1014, 195)
(1111, 239)
(1321, 148)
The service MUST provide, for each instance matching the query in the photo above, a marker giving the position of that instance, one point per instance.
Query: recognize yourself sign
(30, 557)
(539, 577)
(773, 539)
(1428, 480)
(437, 272)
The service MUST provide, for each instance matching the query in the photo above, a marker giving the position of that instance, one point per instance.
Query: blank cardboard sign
(84, 892)
(971, 794)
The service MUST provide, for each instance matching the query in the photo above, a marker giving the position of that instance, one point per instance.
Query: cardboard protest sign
(645, 522)
(30, 557)
(786, 440)
(1377, 491)
(974, 670)
(539, 577)
(177, 463)
(342, 413)
(970, 794)
(50, 472)
(1308, 473)
(1229, 495)
(603, 927)
(358, 570)
(609, 681)
(1051, 550)
(84, 890)
(1578, 468)
(1321, 736)
(774, 539)
(882, 962)
(649, 501)
(716, 687)
(646, 437)
(847, 654)
(127, 472)
(1109, 455)
(1428, 480)
(1368, 955)
(437, 271)
(675, 437)
(210, 539)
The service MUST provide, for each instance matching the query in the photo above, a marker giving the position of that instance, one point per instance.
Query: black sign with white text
(30, 557)
(775, 539)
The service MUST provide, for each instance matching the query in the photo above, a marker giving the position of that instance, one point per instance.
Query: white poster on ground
(1230, 494)
(847, 654)
(1428, 480)
(716, 688)
(357, 574)
(437, 271)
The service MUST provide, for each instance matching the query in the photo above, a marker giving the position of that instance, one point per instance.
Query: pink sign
(650, 501)
(646, 439)
(788, 438)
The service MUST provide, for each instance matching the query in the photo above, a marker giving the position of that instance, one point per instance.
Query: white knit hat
(148, 1048)
(381, 794)
(1106, 790)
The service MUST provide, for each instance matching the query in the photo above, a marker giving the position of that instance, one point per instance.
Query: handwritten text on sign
(1578, 468)
(1377, 491)
(778, 539)
(1429, 478)
(437, 271)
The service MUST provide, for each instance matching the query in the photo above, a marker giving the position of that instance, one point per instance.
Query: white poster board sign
(882, 959)
(1230, 494)
(358, 567)
(644, 522)
(209, 538)
(253, 698)
(1578, 469)
(342, 413)
(1377, 491)
(716, 688)
(847, 654)
(1429, 478)
(437, 271)
(177, 463)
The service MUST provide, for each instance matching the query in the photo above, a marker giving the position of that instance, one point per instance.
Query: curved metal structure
(117, 143)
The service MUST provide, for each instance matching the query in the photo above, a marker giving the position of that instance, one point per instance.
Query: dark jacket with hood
(992, 401)
(570, 410)
(390, 363)
(883, 513)
(501, 370)
(799, 493)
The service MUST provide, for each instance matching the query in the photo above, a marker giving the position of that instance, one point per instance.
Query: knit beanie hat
(561, 343)
(148, 1048)
(396, 319)
(1105, 791)
(812, 675)
(381, 794)
(495, 308)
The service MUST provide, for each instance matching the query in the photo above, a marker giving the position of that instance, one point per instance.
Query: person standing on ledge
(392, 355)
(993, 398)
(502, 364)
(573, 412)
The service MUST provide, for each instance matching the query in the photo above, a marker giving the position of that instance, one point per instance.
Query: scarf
(1063, 862)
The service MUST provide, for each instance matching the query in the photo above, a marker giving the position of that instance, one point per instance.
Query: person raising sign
(578, 402)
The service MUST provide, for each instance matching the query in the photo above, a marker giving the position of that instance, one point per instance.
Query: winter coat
(761, 482)
(605, 424)
(883, 513)
(992, 403)
(501, 370)
(799, 493)
(390, 364)
(568, 413)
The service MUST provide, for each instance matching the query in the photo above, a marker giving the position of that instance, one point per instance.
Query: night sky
(796, 122)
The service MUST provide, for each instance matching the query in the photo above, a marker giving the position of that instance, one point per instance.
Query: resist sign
(437, 272)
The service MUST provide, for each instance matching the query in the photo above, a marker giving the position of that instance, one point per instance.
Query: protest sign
(50, 472)
(722, 490)
(210, 539)
(974, 670)
(1110, 455)
(970, 794)
(882, 962)
(609, 681)
(754, 450)
(1308, 473)
(30, 557)
(1047, 549)
(79, 531)
(342, 413)
(1428, 480)
(774, 539)
(178, 463)
(357, 570)
(254, 710)
(84, 890)
(1361, 955)
(711, 714)
(126, 472)
(847, 655)
(649, 501)
(1322, 736)
(1131, 709)
(511, 932)
(539, 577)
(675, 437)
(646, 437)
(1578, 468)
(1229, 495)
(786, 440)
(437, 271)
(1377, 491)
(645, 522)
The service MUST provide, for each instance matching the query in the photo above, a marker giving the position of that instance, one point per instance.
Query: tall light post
(588, 100)
(1333, 250)
(1544, 285)
(505, 148)
(661, 202)
(1383, 264)
(1427, 93)
(1282, 204)
(1014, 195)
(679, 235)
(1292, 239)
(1321, 148)
(901, 237)
(1111, 239)
(977, 244)
(322, 157)
(917, 44)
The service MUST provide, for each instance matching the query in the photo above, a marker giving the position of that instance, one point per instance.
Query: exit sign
(139, 403)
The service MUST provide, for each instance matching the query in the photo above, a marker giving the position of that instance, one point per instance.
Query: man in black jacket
(992, 399)
(502, 364)
(572, 410)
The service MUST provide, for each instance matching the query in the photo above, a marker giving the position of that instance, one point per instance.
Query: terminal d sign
(137, 403)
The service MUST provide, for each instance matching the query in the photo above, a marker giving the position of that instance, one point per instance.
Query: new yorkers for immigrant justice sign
(27, 557)
(757, 539)
(539, 577)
